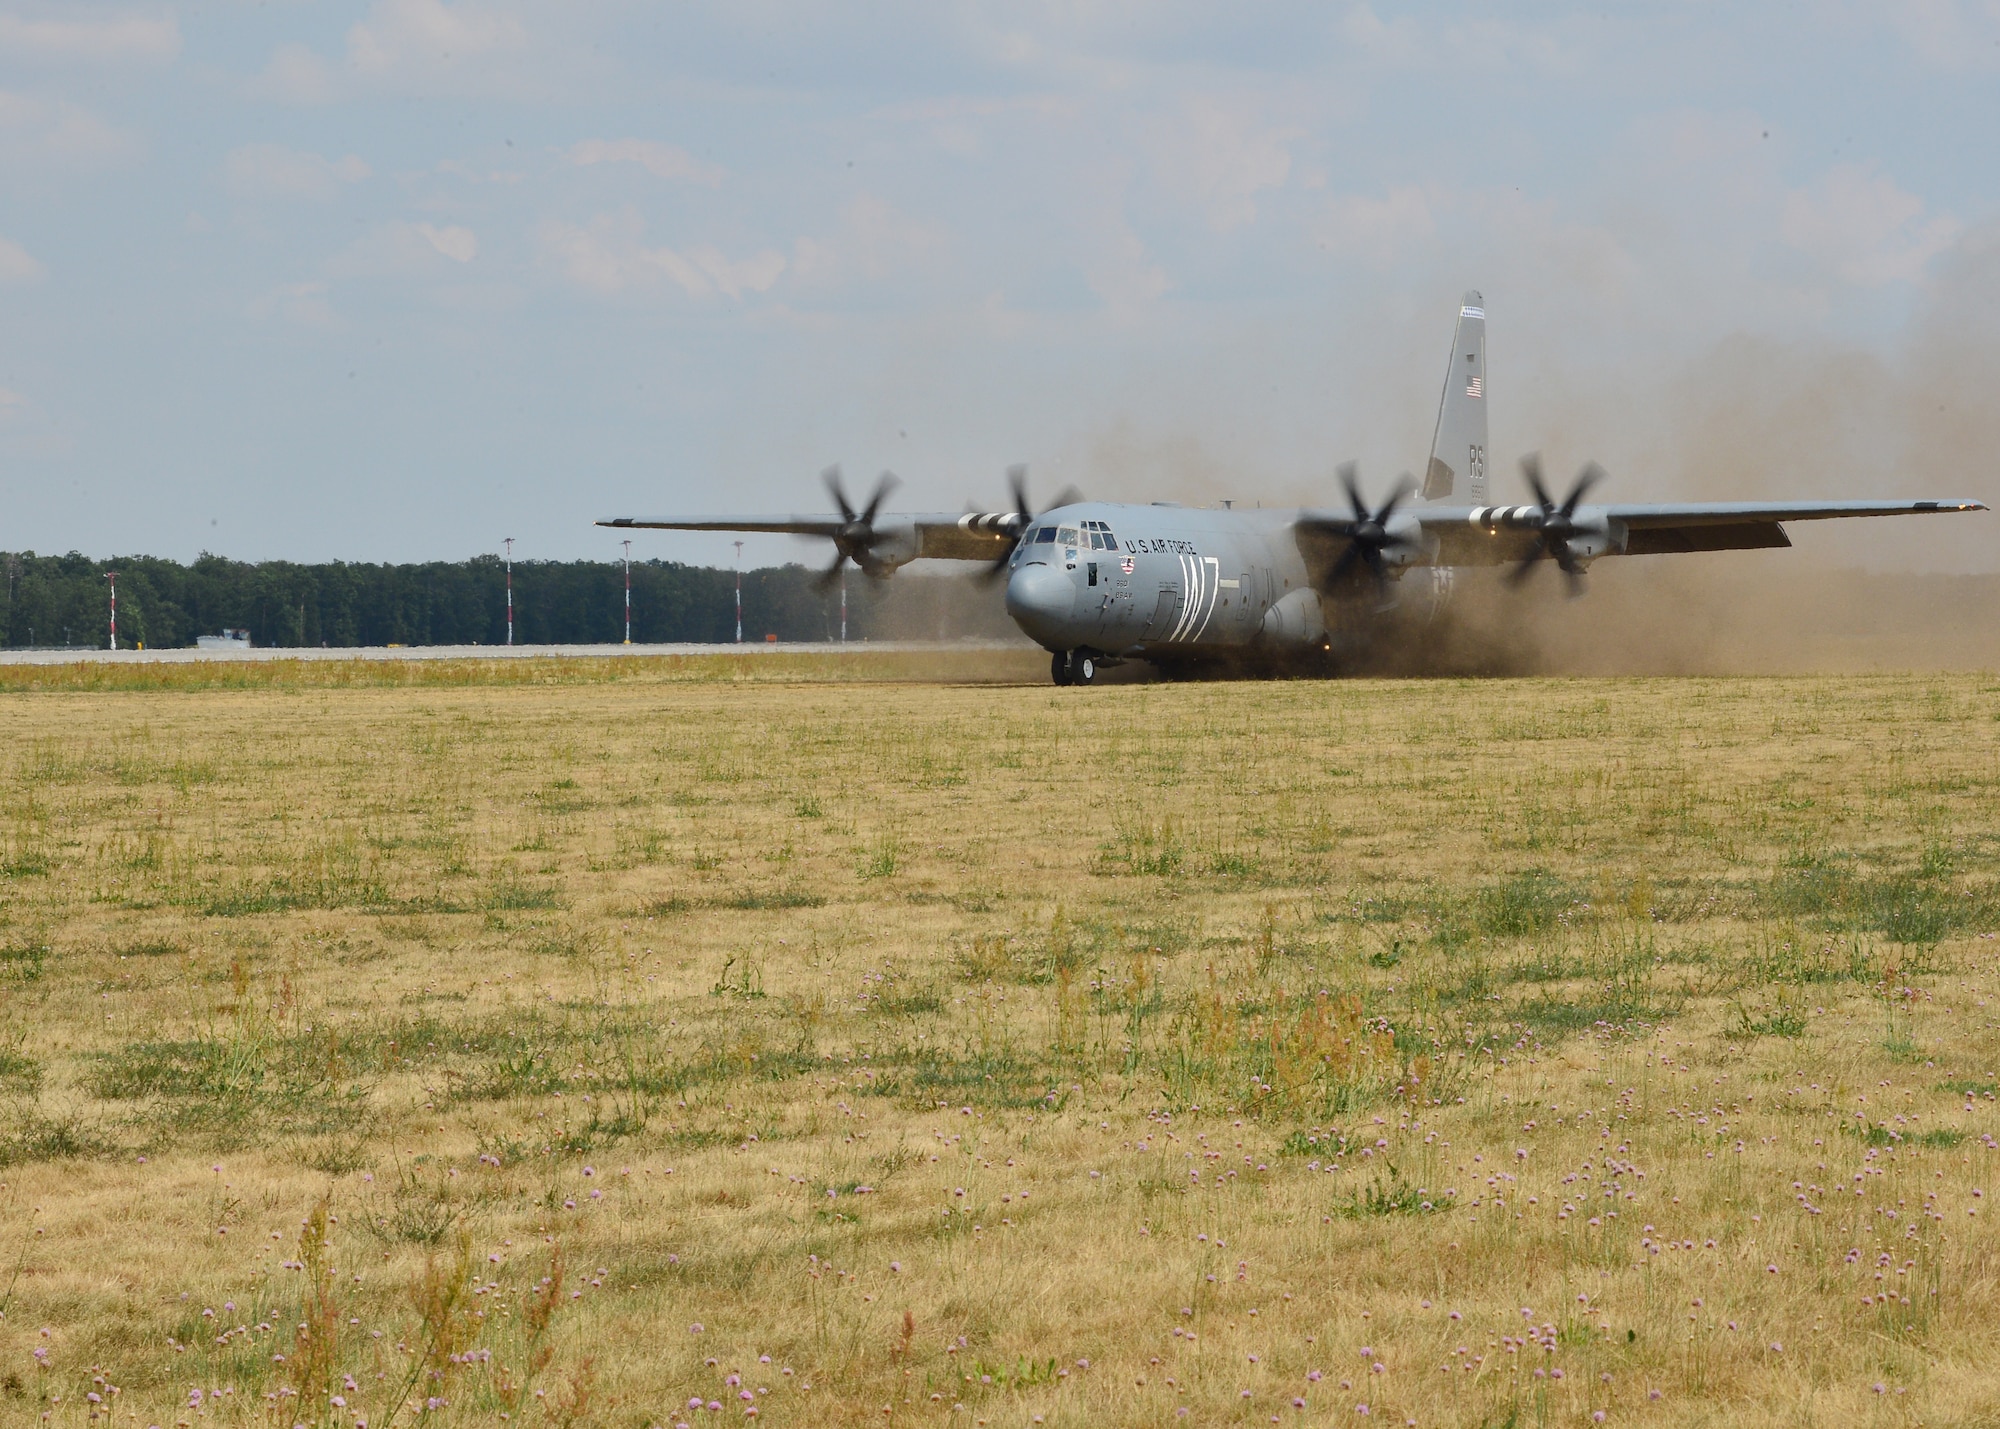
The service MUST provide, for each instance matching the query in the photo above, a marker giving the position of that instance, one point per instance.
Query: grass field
(660, 1045)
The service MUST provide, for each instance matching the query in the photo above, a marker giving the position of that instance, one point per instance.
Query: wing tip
(621, 521)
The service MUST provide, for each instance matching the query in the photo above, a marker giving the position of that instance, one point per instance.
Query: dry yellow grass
(1510, 1052)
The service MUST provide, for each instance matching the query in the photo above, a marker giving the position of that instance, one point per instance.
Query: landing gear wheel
(1059, 667)
(1083, 670)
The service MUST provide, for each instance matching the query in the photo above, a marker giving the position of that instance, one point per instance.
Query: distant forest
(64, 600)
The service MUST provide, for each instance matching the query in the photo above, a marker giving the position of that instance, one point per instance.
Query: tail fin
(1458, 449)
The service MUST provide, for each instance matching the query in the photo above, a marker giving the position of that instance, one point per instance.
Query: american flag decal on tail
(1472, 386)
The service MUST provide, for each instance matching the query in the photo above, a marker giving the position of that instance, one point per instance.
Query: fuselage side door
(1166, 614)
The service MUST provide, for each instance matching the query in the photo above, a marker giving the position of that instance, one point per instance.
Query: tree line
(65, 600)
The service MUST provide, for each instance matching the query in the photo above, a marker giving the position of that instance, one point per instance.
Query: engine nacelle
(896, 544)
(1294, 621)
(1409, 544)
(1593, 540)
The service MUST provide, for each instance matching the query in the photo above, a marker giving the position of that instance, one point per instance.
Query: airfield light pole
(739, 592)
(628, 592)
(509, 543)
(112, 576)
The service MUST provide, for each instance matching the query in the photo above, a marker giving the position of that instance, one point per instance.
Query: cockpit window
(1043, 535)
(1067, 536)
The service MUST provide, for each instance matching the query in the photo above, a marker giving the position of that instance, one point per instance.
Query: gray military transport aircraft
(1099, 583)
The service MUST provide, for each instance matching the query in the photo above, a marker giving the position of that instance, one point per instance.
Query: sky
(395, 280)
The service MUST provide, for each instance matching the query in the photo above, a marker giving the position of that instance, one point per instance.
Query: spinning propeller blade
(1556, 524)
(857, 535)
(1368, 533)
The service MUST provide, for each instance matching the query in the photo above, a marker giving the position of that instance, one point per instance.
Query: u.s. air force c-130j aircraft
(1098, 583)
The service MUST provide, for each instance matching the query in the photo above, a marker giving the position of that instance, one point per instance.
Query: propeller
(1368, 533)
(1556, 524)
(856, 536)
(1022, 518)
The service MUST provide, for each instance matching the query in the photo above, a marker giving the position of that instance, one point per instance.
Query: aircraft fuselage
(1164, 582)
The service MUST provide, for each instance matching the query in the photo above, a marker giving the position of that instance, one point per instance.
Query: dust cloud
(1719, 613)
(1778, 413)
(929, 605)
(1715, 613)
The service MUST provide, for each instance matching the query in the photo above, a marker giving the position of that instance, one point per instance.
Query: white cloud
(1377, 229)
(271, 170)
(295, 75)
(609, 257)
(58, 134)
(1864, 228)
(1399, 42)
(1122, 273)
(873, 241)
(109, 39)
(429, 43)
(302, 303)
(461, 245)
(405, 250)
(17, 264)
(1223, 157)
(662, 161)
(1466, 39)
(1948, 34)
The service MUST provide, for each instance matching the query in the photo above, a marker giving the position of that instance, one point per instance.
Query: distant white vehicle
(227, 640)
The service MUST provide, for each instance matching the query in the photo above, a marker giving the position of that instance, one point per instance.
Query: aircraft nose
(1039, 598)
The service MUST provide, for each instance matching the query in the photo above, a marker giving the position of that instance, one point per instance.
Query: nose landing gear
(1074, 667)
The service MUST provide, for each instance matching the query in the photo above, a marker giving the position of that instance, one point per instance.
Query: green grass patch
(1902, 907)
(25, 960)
(1391, 1195)
(38, 1138)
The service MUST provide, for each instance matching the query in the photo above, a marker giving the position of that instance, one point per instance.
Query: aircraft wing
(1742, 525)
(936, 535)
(1482, 535)
(778, 525)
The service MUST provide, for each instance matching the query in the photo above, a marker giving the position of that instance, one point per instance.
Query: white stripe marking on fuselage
(1187, 600)
(1191, 606)
(1213, 584)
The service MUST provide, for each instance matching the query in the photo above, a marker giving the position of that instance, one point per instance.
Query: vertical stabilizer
(1457, 469)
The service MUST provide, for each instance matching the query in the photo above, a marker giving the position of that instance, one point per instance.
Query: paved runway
(78, 655)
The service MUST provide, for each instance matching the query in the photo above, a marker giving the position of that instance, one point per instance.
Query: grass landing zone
(583, 1042)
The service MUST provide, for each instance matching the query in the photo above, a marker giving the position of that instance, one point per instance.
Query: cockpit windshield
(1043, 535)
(1066, 536)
